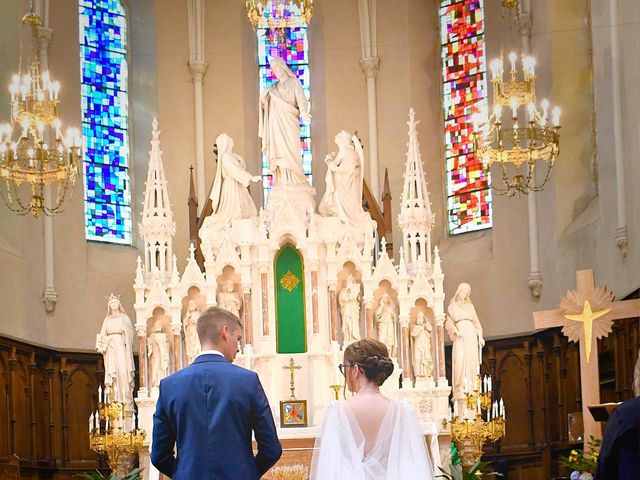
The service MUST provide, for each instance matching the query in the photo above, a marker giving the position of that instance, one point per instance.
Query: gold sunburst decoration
(585, 312)
(289, 281)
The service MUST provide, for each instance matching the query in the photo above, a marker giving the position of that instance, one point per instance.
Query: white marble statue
(115, 343)
(465, 331)
(230, 199)
(387, 320)
(421, 332)
(158, 352)
(281, 105)
(343, 196)
(229, 299)
(189, 324)
(349, 300)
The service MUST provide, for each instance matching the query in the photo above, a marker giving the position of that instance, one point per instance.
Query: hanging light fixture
(273, 14)
(528, 136)
(27, 161)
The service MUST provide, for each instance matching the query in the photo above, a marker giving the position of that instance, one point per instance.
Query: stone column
(246, 314)
(314, 300)
(440, 362)
(405, 350)
(265, 303)
(177, 347)
(142, 355)
(333, 305)
(370, 67)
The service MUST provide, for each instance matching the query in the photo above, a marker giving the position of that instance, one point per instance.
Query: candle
(514, 111)
(555, 116)
(501, 408)
(512, 58)
(99, 393)
(497, 111)
(489, 381)
(90, 423)
(496, 68)
(455, 409)
(106, 424)
(532, 111)
(479, 410)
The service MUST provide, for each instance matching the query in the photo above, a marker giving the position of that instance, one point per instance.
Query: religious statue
(387, 319)
(281, 105)
(343, 196)
(229, 299)
(349, 300)
(230, 199)
(158, 352)
(465, 331)
(115, 343)
(421, 332)
(189, 324)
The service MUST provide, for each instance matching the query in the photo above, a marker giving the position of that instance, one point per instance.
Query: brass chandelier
(259, 13)
(27, 161)
(528, 137)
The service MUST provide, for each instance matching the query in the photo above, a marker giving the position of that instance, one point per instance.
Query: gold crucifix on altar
(585, 315)
(292, 367)
(293, 412)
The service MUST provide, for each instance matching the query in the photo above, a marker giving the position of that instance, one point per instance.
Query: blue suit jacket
(208, 411)
(619, 457)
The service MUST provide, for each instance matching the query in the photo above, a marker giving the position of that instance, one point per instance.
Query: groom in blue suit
(209, 409)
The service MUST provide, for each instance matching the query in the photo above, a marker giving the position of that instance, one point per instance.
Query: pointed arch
(291, 325)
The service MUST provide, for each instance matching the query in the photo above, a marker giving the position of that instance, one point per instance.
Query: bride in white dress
(369, 436)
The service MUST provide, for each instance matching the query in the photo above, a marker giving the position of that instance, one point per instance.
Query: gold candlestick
(336, 390)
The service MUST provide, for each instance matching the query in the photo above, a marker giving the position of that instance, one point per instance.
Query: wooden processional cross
(587, 314)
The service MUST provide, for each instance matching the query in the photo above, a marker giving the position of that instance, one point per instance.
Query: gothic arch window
(464, 93)
(105, 105)
(292, 46)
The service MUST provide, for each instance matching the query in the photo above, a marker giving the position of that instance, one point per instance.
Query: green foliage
(583, 460)
(135, 474)
(456, 473)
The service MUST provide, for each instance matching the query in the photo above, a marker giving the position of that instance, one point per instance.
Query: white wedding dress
(399, 452)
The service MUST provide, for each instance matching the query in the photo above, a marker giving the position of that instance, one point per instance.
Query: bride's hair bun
(373, 357)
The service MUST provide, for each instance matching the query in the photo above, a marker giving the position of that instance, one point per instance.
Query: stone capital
(198, 68)
(535, 284)
(370, 66)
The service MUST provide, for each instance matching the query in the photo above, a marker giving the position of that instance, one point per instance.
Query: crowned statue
(189, 325)
(115, 343)
(343, 196)
(230, 199)
(465, 331)
(349, 301)
(387, 320)
(281, 106)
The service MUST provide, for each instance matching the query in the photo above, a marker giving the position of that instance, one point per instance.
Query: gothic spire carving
(158, 227)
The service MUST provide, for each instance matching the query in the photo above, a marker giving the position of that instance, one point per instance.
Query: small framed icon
(293, 413)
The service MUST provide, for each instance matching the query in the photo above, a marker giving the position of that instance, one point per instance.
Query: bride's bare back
(369, 410)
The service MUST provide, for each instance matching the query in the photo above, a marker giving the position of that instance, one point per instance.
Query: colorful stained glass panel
(105, 106)
(464, 93)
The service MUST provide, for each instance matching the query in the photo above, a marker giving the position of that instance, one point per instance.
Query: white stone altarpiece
(348, 284)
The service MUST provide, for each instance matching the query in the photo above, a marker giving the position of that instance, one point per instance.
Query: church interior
(459, 179)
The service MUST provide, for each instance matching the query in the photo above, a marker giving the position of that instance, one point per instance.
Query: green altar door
(290, 312)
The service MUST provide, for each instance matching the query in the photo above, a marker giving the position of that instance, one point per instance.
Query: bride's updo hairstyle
(372, 356)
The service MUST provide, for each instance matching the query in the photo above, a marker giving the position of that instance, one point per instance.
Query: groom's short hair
(211, 322)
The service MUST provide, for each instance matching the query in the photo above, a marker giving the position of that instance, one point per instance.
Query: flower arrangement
(135, 474)
(583, 462)
(291, 472)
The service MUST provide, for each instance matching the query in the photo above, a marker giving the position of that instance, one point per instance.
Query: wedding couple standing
(207, 412)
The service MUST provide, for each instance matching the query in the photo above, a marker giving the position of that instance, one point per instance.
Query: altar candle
(501, 408)
(478, 405)
(489, 384)
(99, 393)
(90, 423)
(106, 424)
(555, 116)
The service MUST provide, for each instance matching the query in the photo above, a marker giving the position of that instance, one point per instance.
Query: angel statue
(343, 196)
(115, 343)
(230, 199)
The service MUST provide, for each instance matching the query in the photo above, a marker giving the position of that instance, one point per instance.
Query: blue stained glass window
(105, 106)
(291, 45)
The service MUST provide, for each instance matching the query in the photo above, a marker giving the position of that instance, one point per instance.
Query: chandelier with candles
(517, 135)
(34, 154)
(273, 14)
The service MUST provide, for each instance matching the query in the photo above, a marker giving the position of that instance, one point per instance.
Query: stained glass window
(291, 45)
(103, 71)
(465, 93)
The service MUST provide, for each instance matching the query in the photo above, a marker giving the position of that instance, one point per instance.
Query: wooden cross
(292, 367)
(589, 372)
